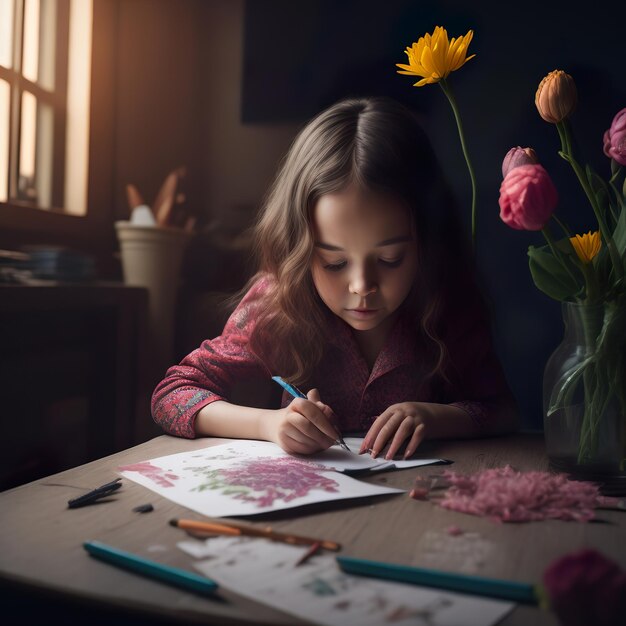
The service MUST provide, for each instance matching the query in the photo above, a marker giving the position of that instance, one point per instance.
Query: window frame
(56, 99)
(20, 222)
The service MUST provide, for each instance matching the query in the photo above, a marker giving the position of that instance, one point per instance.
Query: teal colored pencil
(463, 583)
(165, 573)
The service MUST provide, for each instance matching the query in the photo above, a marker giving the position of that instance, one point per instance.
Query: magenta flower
(586, 588)
(518, 156)
(615, 139)
(528, 197)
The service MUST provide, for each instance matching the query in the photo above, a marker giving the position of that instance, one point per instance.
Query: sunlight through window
(6, 33)
(28, 131)
(30, 58)
(45, 89)
(78, 102)
(4, 140)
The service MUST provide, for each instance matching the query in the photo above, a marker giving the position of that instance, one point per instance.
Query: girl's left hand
(395, 425)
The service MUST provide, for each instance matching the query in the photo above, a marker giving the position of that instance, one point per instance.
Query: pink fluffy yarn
(506, 495)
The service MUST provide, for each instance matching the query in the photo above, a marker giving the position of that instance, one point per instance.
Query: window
(45, 73)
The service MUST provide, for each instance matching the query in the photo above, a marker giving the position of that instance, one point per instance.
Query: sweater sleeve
(208, 373)
(477, 383)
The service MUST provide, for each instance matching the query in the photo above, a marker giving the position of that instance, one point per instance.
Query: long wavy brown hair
(379, 144)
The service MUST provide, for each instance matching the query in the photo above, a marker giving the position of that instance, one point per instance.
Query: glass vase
(584, 396)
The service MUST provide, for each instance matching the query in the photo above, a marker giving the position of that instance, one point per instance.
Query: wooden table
(43, 564)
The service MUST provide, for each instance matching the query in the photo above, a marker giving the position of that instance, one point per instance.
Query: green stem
(586, 270)
(620, 202)
(591, 386)
(591, 283)
(564, 228)
(563, 138)
(556, 252)
(446, 89)
(606, 235)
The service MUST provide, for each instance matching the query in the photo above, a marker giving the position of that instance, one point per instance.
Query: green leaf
(618, 204)
(561, 396)
(603, 197)
(594, 180)
(619, 234)
(565, 156)
(615, 168)
(550, 276)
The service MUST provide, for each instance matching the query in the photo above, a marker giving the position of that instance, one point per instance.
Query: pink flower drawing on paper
(266, 479)
(161, 477)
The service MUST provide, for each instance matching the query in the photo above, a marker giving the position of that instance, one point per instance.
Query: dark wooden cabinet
(73, 377)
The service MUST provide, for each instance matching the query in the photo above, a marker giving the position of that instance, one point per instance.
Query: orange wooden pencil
(205, 527)
(252, 531)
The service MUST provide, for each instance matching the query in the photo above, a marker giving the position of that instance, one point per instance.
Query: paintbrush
(133, 196)
(167, 196)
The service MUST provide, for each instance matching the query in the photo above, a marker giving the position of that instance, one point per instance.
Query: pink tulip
(615, 139)
(586, 588)
(516, 157)
(528, 197)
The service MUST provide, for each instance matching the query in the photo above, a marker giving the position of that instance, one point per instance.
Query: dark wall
(301, 56)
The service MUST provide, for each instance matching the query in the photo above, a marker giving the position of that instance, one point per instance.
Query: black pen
(296, 393)
(95, 494)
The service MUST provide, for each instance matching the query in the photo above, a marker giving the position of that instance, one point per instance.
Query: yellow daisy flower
(587, 245)
(434, 56)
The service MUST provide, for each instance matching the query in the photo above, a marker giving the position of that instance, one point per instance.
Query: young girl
(364, 296)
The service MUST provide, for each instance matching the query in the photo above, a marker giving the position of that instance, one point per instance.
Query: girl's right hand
(302, 427)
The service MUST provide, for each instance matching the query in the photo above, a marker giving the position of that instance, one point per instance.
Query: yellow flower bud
(556, 96)
(587, 245)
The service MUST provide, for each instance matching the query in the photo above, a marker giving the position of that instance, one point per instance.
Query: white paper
(416, 460)
(247, 477)
(319, 591)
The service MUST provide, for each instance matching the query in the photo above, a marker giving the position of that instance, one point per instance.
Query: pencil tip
(173, 522)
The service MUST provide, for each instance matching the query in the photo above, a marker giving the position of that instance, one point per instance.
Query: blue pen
(296, 393)
(462, 583)
(166, 573)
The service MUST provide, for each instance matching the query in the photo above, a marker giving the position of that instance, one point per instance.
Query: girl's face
(365, 258)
